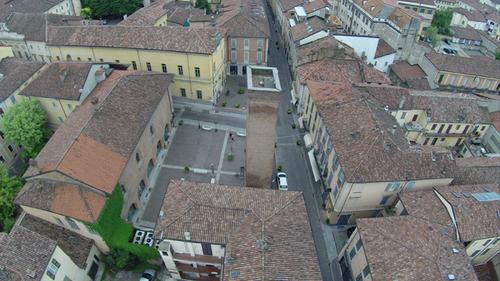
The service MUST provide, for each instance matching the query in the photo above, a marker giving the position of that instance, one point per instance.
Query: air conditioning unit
(139, 237)
(149, 239)
(157, 244)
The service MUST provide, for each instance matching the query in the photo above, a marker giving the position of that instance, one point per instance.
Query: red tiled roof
(383, 49)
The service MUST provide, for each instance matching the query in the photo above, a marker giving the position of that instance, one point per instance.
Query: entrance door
(343, 220)
(93, 270)
(233, 69)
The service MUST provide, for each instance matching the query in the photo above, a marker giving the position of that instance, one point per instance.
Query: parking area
(200, 154)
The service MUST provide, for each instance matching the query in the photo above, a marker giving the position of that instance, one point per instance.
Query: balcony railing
(199, 269)
(198, 258)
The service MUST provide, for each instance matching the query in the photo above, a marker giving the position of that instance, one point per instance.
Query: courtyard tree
(25, 124)
(203, 4)
(86, 13)
(111, 8)
(432, 35)
(442, 21)
(9, 187)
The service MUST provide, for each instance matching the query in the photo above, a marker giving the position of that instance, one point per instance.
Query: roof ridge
(115, 82)
(89, 209)
(199, 37)
(285, 205)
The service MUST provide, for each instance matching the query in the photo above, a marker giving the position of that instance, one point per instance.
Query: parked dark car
(450, 51)
(447, 41)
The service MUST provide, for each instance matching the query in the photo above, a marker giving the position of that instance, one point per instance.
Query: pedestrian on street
(230, 135)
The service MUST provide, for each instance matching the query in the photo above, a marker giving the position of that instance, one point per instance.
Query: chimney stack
(146, 3)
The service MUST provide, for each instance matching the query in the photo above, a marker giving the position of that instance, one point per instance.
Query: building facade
(195, 56)
(121, 152)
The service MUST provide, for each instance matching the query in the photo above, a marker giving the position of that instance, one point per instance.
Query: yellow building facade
(196, 76)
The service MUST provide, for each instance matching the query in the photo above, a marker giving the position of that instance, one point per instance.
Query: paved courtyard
(230, 97)
(205, 152)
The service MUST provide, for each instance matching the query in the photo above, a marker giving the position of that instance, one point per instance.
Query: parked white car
(148, 275)
(282, 182)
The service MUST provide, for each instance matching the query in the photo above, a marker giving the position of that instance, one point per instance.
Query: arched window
(68, 57)
(131, 212)
(142, 188)
(151, 166)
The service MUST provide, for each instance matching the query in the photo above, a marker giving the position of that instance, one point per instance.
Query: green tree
(86, 13)
(25, 124)
(442, 21)
(432, 34)
(120, 259)
(497, 55)
(111, 8)
(203, 4)
(9, 187)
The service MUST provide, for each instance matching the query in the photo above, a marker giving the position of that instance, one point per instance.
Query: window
(422, 10)
(59, 221)
(53, 268)
(392, 186)
(183, 92)
(148, 66)
(352, 253)
(164, 67)
(485, 252)
(13, 99)
(233, 56)
(403, 115)
(246, 44)
(415, 117)
(233, 44)
(464, 82)
(359, 277)
(10, 148)
(457, 127)
(410, 186)
(90, 229)
(246, 57)
(197, 71)
(259, 57)
(434, 141)
(151, 129)
(359, 244)
(260, 45)
(366, 271)
(384, 200)
(72, 223)
(440, 78)
(2, 159)
(137, 157)
(117, 61)
(134, 65)
(486, 242)
(475, 253)
(180, 70)
(199, 94)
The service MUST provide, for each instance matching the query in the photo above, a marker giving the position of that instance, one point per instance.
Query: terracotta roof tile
(74, 245)
(370, 150)
(59, 81)
(287, 5)
(472, 66)
(472, 15)
(467, 33)
(412, 75)
(26, 6)
(62, 198)
(15, 73)
(476, 170)
(146, 15)
(243, 18)
(163, 38)
(412, 249)
(25, 253)
(34, 26)
(424, 204)
(307, 28)
(383, 49)
(235, 217)
(313, 6)
(340, 70)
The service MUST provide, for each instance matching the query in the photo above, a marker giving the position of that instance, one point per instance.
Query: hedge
(116, 232)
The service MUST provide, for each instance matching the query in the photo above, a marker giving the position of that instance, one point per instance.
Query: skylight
(486, 196)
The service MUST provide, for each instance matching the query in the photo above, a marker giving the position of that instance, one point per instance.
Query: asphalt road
(292, 157)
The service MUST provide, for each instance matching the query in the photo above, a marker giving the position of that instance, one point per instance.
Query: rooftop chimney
(94, 100)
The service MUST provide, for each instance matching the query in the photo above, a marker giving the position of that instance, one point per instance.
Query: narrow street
(294, 160)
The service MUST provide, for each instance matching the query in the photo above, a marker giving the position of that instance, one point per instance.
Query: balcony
(197, 258)
(199, 269)
(201, 278)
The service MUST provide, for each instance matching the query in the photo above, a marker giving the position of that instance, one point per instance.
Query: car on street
(282, 181)
(148, 275)
(447, 41)
(450, 51)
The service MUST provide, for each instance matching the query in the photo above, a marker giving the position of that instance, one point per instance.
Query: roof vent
(387, 147)
(386, 108)
(234, 274)
(455, 250)
(187, 235)
(261, 244)
(31, 273)
(451, 277)
(94, 100)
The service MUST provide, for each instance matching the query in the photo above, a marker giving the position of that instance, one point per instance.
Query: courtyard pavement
(230, 96)
(205, 152)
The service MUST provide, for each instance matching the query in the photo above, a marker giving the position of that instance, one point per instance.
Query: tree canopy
(25, 124)
(111, 8)
(442, 21)
(203, 4)
(9, 187)
(432, 34)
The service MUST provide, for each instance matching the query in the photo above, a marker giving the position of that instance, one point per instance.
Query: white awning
(314, 166)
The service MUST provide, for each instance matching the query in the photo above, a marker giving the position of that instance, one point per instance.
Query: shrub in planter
(294, 126)
(280, 168)
(230, 157)
(224, 104)
(289, 111)
(299, 142)
(181, 122)
(186, 169)
(241, 91)
(237, 105)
